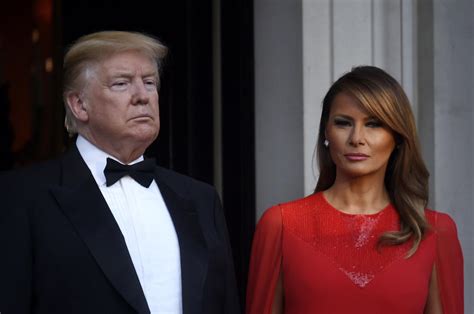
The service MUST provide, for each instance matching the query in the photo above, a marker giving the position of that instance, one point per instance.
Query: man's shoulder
(181, 183)
(24, 185)
(38, 173)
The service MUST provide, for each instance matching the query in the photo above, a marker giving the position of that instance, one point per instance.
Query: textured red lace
(349, 241)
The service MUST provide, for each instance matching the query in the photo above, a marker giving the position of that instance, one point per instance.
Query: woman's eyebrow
(343, 116)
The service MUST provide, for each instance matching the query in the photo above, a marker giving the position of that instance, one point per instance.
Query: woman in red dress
(364, 242)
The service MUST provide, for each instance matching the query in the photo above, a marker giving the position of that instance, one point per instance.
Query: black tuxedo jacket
(61, 250)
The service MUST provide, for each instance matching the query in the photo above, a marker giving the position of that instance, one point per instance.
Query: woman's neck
(362, 195)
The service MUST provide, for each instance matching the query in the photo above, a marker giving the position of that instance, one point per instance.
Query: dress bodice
(331, 262)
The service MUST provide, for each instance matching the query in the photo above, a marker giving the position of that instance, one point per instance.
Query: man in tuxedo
(101, 229)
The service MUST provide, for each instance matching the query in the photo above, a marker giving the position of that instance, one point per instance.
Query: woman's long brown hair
(406, 177)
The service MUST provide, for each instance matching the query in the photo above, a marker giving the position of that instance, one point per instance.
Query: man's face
(121, 100)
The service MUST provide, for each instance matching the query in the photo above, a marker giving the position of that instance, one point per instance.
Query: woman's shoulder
(308, 202)
(270, 218)
(300, 204)
(276, 215)
(440, 222)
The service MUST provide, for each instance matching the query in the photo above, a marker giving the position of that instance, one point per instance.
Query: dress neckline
(345, 214)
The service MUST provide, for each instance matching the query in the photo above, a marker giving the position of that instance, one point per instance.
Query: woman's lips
(356, 156)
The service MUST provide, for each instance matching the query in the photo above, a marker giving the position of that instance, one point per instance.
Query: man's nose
(357, 136)
(140, 94)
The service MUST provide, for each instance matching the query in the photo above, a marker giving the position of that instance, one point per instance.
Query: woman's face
(359, 144)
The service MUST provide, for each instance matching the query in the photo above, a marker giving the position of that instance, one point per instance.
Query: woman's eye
(340, 122)
(374, 124)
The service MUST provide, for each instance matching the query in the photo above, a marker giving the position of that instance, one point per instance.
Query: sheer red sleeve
(449, 264)
(265, 262)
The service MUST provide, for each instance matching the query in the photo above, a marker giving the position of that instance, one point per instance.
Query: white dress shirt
(147, 228)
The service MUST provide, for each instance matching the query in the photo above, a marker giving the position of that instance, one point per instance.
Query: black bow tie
(142, 172)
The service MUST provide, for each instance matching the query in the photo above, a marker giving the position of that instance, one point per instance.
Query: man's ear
(77, 105)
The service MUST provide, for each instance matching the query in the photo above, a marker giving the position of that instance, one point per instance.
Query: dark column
(238, 130)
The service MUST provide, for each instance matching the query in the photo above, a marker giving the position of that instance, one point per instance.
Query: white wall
(446, 82)
(453, 172)
(278, 102)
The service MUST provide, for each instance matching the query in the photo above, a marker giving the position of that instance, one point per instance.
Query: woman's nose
(357, 136)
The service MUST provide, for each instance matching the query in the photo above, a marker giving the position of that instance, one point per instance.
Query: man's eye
(119, 84)
(150, 85)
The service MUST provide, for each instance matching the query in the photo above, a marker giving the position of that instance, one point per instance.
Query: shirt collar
(96, 159)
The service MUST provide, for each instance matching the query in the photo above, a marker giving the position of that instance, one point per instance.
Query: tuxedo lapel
(192, 246)
(82, 202)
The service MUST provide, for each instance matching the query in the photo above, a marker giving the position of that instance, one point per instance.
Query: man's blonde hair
(91, 49)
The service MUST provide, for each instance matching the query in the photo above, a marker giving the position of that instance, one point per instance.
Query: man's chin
(146, 137)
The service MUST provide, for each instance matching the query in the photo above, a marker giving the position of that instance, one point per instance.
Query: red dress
(331, 265)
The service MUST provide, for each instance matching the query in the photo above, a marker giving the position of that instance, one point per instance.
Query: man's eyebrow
(154, 74)
(128, 74)
(121, 74)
